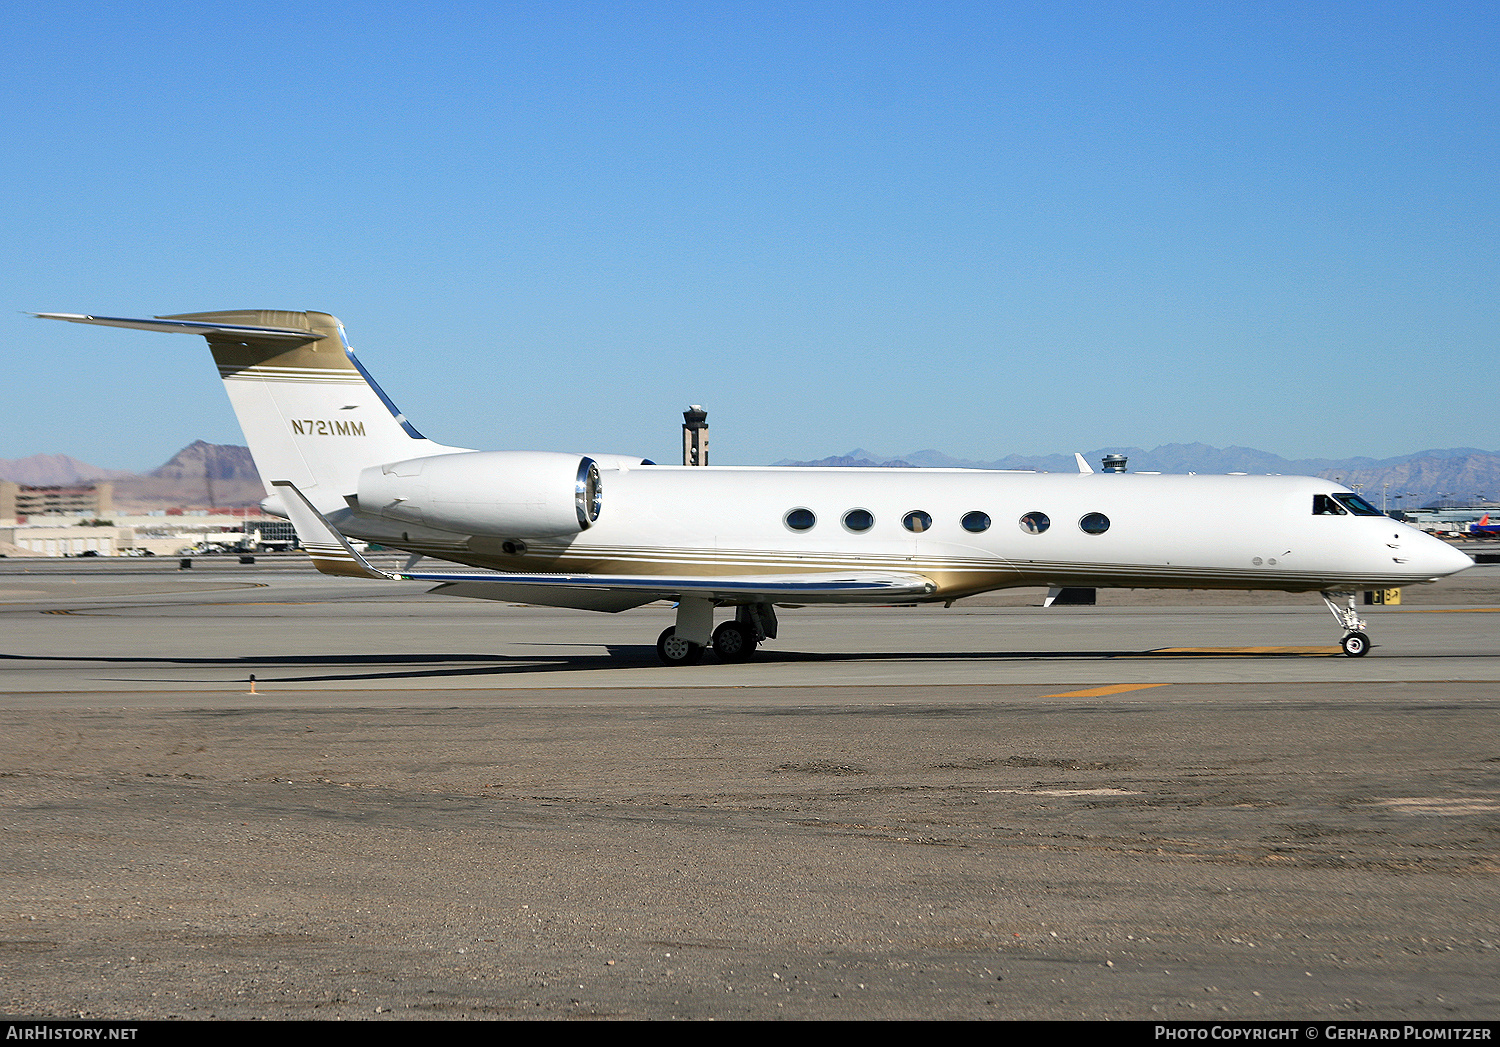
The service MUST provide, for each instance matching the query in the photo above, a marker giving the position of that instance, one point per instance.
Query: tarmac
(1166, 806)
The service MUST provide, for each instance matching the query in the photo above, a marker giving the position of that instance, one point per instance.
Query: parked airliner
(608, 532)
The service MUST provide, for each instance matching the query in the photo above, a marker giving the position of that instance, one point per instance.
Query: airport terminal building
(19, 501)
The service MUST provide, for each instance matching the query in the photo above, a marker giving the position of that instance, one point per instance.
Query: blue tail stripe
(410, 429)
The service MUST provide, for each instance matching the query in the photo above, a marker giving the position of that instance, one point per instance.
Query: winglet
(1083, 467)
(330, 551)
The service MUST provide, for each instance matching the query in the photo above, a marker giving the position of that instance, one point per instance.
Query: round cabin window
(859, 520)
(801, 519)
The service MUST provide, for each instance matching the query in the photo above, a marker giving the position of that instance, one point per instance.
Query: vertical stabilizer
(310, 413)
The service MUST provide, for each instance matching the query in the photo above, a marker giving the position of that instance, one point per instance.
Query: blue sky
(983, 228)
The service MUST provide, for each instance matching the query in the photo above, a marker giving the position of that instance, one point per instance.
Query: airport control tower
(694, 436)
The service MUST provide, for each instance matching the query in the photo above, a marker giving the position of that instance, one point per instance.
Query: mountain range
(205, 475)
(1458, 475)
(200, 476)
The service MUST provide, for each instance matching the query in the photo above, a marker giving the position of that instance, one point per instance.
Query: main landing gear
(1356, 642)
(732, 641)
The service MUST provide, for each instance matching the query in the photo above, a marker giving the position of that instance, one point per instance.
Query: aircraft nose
(1435, 558)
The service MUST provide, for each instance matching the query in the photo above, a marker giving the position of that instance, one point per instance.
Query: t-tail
(310, 412)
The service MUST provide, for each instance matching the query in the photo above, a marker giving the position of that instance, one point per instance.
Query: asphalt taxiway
(1168, 805)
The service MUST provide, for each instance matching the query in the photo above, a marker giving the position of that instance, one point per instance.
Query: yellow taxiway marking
(1100, 692)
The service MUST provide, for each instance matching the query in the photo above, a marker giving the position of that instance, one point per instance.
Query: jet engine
(514, 494)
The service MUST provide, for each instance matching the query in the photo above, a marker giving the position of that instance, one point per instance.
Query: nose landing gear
(1356, 642)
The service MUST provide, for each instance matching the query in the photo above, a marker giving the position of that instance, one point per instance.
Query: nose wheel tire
(1355, 645)
(673, 651)
(733, 642)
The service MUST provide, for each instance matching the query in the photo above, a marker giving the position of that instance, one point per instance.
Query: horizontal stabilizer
(286, 334)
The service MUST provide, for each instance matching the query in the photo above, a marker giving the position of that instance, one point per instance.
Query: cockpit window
(1323, 505)
(1357, 505)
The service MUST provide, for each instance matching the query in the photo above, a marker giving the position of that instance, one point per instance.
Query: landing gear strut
(753, 623)
(1356, 642)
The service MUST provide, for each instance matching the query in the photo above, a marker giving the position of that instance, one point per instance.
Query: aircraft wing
(332, 554)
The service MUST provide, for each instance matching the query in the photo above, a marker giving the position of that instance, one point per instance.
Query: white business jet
(608, 532)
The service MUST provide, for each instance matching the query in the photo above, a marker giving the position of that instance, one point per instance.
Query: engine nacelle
(519, 494)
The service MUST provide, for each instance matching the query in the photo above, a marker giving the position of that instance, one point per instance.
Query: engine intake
(510, 494)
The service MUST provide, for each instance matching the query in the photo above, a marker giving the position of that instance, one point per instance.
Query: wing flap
(578, 597)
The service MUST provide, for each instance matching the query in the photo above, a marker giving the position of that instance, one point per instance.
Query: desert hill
(200, 476)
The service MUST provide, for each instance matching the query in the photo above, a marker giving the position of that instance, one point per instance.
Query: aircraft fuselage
(1158, 531)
